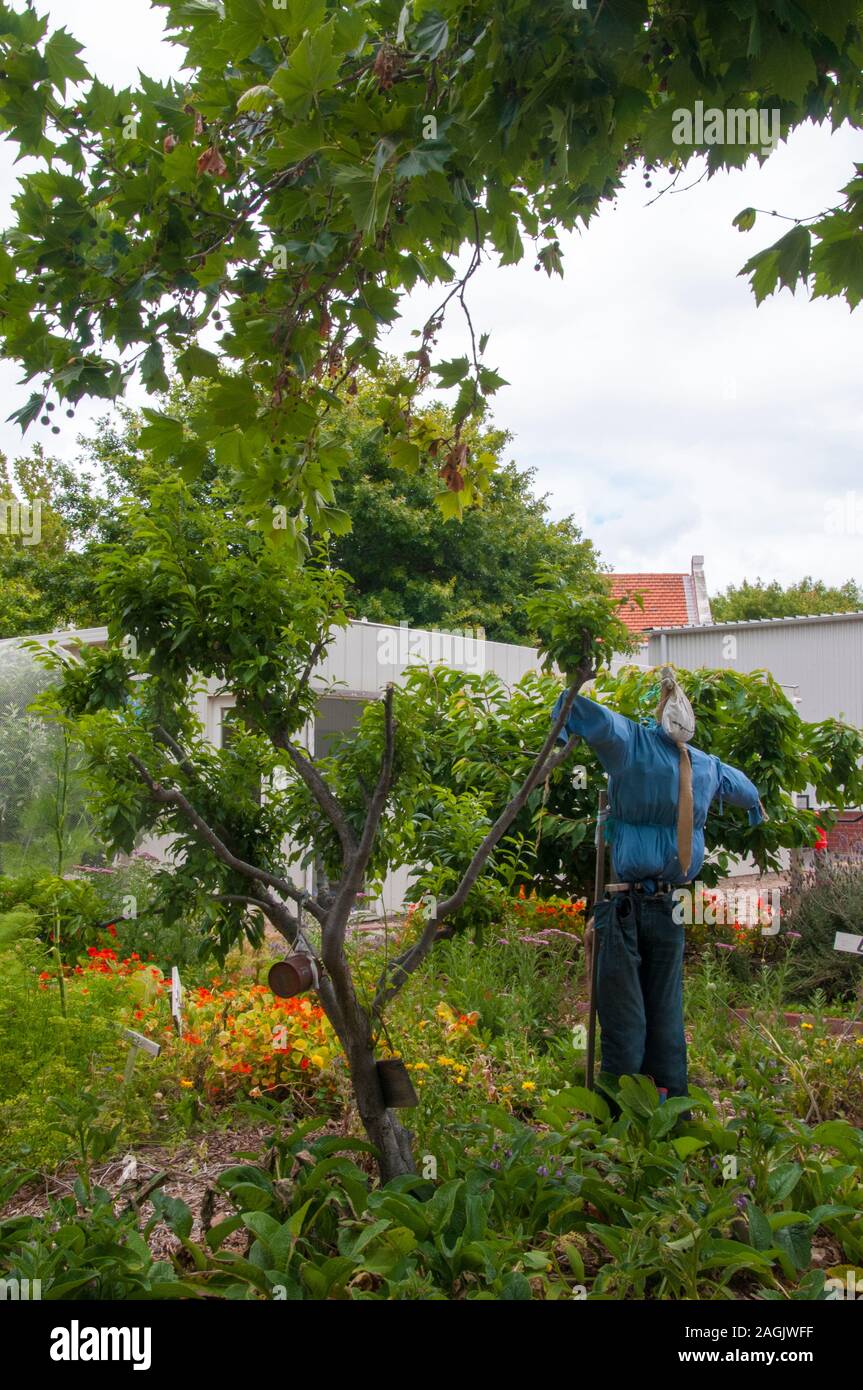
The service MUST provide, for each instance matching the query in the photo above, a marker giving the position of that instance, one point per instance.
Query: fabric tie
(684, 811)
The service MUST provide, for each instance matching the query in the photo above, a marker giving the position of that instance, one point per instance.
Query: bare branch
(356, 863)
(316, 784)
(172, 796)
(398, 971)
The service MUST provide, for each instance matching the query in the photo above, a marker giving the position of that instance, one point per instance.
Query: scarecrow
(659, 794)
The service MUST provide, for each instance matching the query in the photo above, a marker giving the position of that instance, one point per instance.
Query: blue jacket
(643, 764)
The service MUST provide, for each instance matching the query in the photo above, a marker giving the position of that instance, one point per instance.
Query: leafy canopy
(741, 602)
(271, 211)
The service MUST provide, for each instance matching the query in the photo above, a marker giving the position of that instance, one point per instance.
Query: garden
(230, 1072)
(209, 1141)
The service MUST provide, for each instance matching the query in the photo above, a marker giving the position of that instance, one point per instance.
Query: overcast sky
(655, 402)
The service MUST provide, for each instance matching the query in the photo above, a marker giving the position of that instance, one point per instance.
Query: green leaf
(310, 70)
(196, 361)
(760, 1233)
(784, 263)
(838, 269)
(153, 373)
(783, 1180)
(745, 220)
(163, 436)
(785, 67)
(431, 35)
(428, 158)
(61, 57)
(26, 414)
(257, 98)
(450, 373)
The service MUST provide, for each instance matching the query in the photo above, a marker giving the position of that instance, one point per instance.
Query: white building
(361, 661)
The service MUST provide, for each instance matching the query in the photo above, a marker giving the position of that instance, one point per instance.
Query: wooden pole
(591, 962)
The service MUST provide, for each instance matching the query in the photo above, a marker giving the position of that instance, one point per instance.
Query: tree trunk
(383, 1127)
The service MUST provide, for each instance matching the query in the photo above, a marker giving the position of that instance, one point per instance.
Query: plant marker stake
(176, 999)
(846, 941)
(139, 1044)
(598, 890)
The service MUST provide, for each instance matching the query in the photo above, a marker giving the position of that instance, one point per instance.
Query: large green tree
(405, 562)
(318, 160)
(741, 602)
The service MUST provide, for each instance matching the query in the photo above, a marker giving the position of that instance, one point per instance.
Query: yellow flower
(184, 1082)
(458, 1080)
(446, 1062)
(528, 1085)
(828, 1060)
(806, 1025)
(420, 1066)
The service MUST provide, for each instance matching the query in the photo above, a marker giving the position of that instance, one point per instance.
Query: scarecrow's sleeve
(736, 788)
(609, 734)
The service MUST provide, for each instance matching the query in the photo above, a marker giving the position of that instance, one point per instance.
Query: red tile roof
(663, 595)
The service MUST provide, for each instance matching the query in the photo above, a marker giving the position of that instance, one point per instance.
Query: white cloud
(655, 401)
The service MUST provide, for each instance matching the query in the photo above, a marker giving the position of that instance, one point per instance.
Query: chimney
(699, 585)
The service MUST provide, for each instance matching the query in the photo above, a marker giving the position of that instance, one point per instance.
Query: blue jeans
(639, 989)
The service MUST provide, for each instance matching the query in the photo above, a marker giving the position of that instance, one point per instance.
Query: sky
(657, 404)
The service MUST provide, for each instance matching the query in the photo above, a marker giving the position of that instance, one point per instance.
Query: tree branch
(172, 796)
(356, 863)
(316, 784)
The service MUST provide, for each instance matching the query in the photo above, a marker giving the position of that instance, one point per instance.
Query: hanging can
(295, 975)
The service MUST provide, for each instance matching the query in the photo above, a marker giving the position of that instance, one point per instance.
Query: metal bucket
(396, 1085)
(293, 976)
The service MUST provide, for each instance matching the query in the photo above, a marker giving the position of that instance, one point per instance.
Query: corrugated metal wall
(819, 661)
(364, 657)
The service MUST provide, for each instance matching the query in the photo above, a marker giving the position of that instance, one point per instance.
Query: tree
(195, 594)
(743, 602)
(47, 566)
(406, 564)
(320, 159)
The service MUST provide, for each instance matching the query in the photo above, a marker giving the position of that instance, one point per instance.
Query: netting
(44, 825)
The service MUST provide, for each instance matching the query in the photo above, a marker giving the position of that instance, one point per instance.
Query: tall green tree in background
(405, 562)
(741, 602)
(48, 584)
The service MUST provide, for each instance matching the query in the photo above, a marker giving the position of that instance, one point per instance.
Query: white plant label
(176, 999)
(847, 941)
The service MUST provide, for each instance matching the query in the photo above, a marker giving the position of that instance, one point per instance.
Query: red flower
(111, 929)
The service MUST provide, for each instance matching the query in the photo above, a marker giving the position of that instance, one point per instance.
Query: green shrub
(68, 911)
(831, 903)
